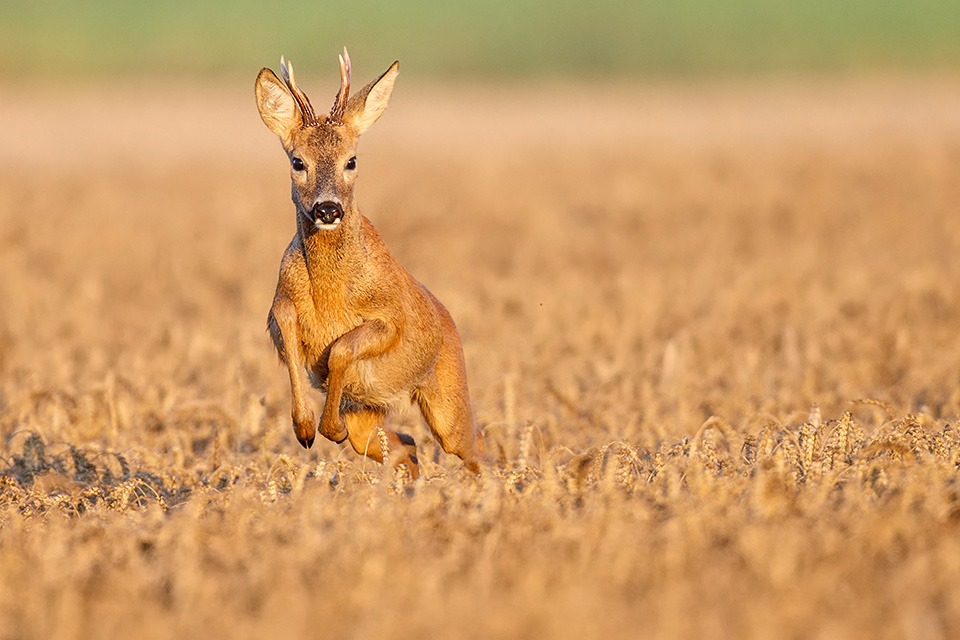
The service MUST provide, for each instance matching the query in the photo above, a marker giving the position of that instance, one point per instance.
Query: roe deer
(346, 313)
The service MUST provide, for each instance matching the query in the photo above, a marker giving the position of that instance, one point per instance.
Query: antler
(306, 109)
(340, 103)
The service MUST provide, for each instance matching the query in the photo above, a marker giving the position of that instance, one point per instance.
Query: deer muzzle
(327, 213)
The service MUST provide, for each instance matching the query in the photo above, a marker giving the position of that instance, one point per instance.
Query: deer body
(329, 305)
(347, 317)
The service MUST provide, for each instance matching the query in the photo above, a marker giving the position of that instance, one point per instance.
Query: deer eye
(352, 163)
(297, 164)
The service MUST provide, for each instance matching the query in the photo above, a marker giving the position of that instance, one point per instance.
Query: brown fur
(346, 315)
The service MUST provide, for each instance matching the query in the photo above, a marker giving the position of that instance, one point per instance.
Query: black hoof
(308, 442)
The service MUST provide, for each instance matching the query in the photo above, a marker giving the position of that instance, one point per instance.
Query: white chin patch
(326, 227)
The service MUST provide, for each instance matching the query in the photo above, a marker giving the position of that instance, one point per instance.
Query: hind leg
(445, 402)
(364, 437)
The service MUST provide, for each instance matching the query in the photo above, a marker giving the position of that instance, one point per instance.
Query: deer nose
(327, 212)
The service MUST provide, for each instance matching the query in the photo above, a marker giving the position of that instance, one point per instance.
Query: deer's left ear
(365, 107)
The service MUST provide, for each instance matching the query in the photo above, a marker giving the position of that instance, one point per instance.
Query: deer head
(322, 152)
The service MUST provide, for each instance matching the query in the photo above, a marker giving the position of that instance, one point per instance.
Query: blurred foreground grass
(495, 38)
(790, 531)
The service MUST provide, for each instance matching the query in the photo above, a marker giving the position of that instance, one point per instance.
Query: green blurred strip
(496, 38)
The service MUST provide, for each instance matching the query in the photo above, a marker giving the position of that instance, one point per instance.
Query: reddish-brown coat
(347, 317)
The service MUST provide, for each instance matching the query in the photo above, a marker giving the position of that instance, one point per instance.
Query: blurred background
(497, 38)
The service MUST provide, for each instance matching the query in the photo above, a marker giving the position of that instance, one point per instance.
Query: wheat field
(711, 339)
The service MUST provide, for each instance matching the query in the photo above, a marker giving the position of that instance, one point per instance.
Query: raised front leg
(284, 317)
(370, 339)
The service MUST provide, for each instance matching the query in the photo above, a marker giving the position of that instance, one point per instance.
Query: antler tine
(306, 109)
(346, 57)
(340, 103)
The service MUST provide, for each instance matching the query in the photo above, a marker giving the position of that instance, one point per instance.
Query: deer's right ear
(277, 107)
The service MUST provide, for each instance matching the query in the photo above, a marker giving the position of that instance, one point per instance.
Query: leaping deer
(346, 314)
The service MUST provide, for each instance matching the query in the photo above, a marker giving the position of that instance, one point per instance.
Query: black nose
(327, 212)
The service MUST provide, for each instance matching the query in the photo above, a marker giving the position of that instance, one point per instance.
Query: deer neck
(332, 257)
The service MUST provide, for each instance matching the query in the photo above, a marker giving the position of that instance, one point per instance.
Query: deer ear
(365, 107)
(277, 107)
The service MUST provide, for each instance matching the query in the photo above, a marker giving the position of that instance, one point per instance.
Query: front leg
(370, 339)
(283, 320)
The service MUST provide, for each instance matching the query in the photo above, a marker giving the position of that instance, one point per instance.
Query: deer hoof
(335, 432)
(307, 442)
